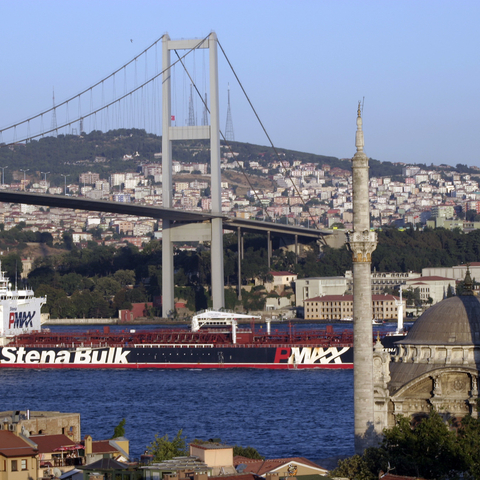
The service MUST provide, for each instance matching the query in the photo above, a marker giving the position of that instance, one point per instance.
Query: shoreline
(166, 321)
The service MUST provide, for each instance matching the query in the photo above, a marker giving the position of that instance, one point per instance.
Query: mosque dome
(453, 321)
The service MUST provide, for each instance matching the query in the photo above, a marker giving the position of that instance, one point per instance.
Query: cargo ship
(214, 340)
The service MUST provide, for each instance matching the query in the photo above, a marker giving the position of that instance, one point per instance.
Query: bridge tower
(171, 231)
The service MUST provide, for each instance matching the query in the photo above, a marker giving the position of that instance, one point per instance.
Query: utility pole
(45, 177)
(3, 174)
(24, 176)
(65, 177)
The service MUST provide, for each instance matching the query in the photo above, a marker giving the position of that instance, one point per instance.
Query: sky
(304, 64)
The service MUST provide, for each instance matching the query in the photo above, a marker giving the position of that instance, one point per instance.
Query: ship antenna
(16, 275)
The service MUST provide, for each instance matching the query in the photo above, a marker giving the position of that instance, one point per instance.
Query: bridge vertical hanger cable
(173, 83)
(267, 135)
(92, 113)
(227, 144)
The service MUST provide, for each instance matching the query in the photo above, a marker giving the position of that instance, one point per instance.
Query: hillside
(104, 153)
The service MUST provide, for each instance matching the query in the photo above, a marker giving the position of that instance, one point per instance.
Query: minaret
(362, 242)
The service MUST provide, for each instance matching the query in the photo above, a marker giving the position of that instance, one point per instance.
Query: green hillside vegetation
(103, 153)
(97, 281)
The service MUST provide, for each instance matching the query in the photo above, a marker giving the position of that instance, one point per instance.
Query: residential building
(17, 457)
(43, 423)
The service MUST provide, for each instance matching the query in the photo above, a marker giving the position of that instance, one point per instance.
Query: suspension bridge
(166, 96)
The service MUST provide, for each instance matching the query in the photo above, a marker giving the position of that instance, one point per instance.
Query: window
(14, 466)
(24, 464)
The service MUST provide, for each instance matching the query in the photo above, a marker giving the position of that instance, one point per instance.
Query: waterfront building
(340, 307)
(456, 272)
(306, 288)
(431, 287)
(381, 280)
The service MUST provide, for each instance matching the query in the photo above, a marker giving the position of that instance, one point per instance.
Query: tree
(164, 449)
(247, 452)
(425, 448)
(119, 429)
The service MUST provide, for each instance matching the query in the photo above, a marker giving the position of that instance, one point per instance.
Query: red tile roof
(103, 446)
(48, 443)
(261, 467)
(246, 476)
(389, 476)
(13, 446)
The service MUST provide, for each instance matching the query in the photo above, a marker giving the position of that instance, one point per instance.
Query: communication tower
(191, 110)
(229, 135)
(54, 116)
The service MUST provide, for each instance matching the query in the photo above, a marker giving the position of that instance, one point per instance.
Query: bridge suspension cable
(93, 111)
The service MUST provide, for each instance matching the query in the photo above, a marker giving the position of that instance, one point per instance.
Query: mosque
(435, 366)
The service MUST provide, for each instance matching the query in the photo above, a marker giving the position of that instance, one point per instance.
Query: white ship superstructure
(19, 310)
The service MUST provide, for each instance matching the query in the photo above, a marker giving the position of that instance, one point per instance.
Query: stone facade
(435, 366)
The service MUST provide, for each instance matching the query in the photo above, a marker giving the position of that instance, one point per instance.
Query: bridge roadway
(81, 203)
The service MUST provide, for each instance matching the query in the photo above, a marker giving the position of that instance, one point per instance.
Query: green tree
(125, 277)
(164, 449)
(119, 430)
(247, 452)
(355, 467)
(426, 448)
(107, 286)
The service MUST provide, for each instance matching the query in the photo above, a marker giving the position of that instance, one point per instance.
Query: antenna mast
(191, 111)
(229, 135)
(54, 116)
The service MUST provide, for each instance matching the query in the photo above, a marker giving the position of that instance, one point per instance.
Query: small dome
(453, 321)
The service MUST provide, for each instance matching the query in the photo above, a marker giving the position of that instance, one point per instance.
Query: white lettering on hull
(80, 356)
(311, 355)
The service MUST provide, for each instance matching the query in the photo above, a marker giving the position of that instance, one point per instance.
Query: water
(281, 413)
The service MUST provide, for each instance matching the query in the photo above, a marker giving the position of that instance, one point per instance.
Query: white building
(318, 287)
(433, 287)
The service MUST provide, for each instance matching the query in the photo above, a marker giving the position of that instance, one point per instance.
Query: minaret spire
(359, 140)
(362, 242)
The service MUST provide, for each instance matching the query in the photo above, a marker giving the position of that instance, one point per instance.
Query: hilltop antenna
(191, 110)
(54, 116)
(229, 135)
